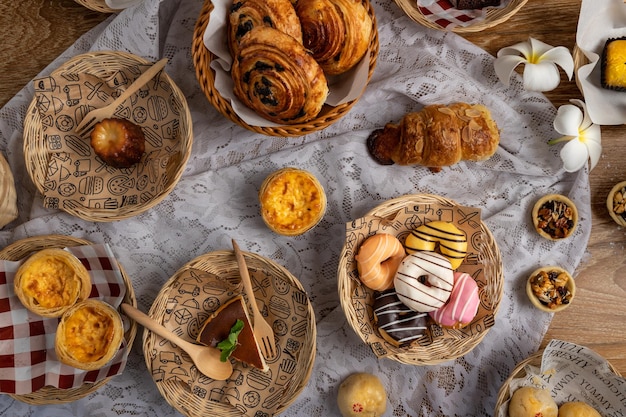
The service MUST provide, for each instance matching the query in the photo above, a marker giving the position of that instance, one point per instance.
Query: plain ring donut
(441, 236)
(378, 260)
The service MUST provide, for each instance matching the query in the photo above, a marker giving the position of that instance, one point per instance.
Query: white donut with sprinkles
(424, 281)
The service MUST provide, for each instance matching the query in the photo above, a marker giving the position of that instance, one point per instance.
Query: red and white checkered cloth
(27, 358)
(442, 13)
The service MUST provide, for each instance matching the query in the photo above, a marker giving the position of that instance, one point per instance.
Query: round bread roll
(362, 395)
(50, 281)
(89, 334)
(577, 409)
(532, 402)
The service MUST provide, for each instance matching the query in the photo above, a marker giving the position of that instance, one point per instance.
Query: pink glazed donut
(462, 305)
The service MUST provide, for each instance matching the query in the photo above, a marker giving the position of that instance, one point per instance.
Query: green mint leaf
(228, 345)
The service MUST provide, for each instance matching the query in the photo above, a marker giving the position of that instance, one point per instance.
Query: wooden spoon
(206, 358)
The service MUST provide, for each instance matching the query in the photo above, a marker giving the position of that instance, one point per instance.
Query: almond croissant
(437, 136)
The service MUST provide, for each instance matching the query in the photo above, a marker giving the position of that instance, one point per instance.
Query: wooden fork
(262, 330)
(97, 115)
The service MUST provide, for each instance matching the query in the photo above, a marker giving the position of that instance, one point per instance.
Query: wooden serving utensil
(206, 358)
(263, 332)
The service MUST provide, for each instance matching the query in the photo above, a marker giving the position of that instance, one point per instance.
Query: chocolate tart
(51, 281)
(550, 289)
(555, 217)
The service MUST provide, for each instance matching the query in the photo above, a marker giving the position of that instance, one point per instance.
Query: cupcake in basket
(51, 281)
(418, 284)
(292, 201)
(89, 335)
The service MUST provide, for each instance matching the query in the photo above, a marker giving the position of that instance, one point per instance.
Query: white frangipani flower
(540, 59)
(584, 138)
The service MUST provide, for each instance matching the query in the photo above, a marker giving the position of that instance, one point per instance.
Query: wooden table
(34, 33)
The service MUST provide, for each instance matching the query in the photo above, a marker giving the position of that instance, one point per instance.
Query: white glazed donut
(424, 281)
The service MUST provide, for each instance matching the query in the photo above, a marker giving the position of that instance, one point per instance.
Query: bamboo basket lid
(105, 64)
(202, 59)
(52, 395)
(442, 348)
(224, 265)
(494, 16)
(520, 372)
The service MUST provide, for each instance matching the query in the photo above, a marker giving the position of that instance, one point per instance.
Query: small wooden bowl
(570, 285)
(616, 203)
(304, 190)
(561, 204)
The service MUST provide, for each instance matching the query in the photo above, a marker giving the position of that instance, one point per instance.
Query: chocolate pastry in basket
(474, 4)
(275, 76)
(337, 32)
(245, 15)
(437, 136)
(120, 143)
(217, 328)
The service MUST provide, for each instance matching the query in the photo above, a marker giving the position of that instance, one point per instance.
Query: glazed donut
(424, 281)
(462, 305)
(397, 324)
(440, 236)
(378, 260)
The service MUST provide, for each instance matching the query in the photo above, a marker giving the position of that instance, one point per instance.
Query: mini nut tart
(292, 201)
(51, 281)
(555, 216)
(616, 203)
(550, 288)
(89, 335)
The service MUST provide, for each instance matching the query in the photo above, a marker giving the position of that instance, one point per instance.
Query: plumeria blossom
(540, 64)
(584, 138)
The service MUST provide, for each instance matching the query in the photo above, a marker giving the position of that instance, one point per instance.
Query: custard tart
(50, 281)
(89, 334)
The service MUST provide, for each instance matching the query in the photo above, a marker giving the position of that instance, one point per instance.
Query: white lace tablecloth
(215, 201)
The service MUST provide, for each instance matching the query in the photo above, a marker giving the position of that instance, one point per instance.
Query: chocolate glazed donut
(397, 324)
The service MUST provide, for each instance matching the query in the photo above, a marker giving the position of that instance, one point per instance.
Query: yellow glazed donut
(378, 260)
(443, 237)
(362, 395)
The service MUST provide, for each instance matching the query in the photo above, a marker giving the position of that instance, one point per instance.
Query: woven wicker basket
(494, 16)
(49, 394)
(202, 58)
(223, 264)
(97, 5)
(579, 60)
(104, 64)
(8, 204)
(520, 372)
(442, 348)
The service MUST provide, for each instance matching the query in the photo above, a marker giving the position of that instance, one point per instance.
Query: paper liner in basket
(407, 219)
(574, 373)
(193, 297)
(27, 339)
(600, 20)
(442, 13)
(342, 88)
(76, 176)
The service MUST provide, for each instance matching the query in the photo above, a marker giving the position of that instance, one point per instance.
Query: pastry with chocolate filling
(217, 328)
(120, 143)
(397, 323)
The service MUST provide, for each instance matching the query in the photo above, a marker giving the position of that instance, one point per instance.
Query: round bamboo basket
(520, 372)
(224, 264)
(494, 16)
(52, 395)
(104, 64)
(96, 5)
(442, 348)
(8, 203)
(202, 58)
(579, 60)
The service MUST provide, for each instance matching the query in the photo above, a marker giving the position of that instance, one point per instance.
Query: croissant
(245, 15)
(275, 76)
(336, 32)
(437, 136)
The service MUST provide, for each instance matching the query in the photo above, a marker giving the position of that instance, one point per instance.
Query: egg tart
(292, 201)
(555, 217)
(50, 281)
(89, 334)
(550, 288)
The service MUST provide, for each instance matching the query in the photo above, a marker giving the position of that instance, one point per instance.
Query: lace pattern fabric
(216, 201)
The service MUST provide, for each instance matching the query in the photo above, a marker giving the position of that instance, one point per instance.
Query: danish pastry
(275, 76)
